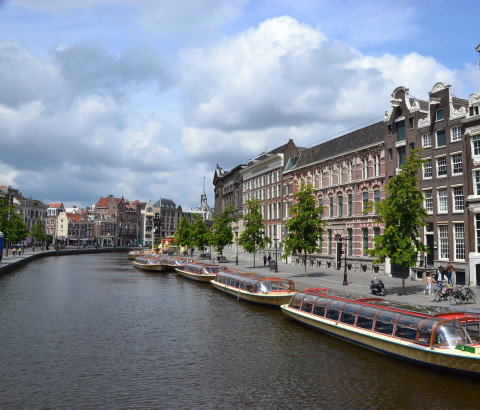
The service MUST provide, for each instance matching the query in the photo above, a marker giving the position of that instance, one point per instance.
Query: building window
(402, 155)
(376, 165)
(477, 219)
(365, 169)
(401, 131)
(331, 207)
(350, 204)
(476, 176)
(439, 114)
(329, 241)
(365, 200)
(331, 176)
(376, 198)
(390, 154)
(443, 238)
(442, 200)
(427, 169)
(456, 133)
(340, 175)
(428, 203)
(411, 122)
(476, 145)
(459, 232)
(458, 199)
(349, 172)
(376, 231)
(426, 140)
(441, 138)
(441, 166)
(364, 240)
(457, 165)
(389, 127)
(340, 205)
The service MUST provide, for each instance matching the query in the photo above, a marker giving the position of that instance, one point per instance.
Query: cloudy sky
(142, 98)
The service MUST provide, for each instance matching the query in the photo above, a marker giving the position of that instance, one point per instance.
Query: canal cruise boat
(134, 254)
(174, 262)
(151, 263)
(255, 288)
(447, 341)
(199, 272)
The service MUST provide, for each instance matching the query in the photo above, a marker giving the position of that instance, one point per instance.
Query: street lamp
(236, 240)
(345, 281)
(276, 260)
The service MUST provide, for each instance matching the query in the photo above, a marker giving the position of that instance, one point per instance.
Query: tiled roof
(353, 141)
(459, 102)
(424, 105)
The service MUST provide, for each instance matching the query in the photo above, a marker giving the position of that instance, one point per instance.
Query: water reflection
(91, 331)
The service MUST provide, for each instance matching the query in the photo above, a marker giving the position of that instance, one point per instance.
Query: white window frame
(456, 133)
(442, 166)
(443, 248)
(459, 241)
(427, 166)
(437, 112)
(365, 169)
(436, 139)
(426, 140)
(457, 162)
(442, 200)
(458, 199)
(428, 201)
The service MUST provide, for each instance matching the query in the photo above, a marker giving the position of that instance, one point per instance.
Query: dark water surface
(89, 331)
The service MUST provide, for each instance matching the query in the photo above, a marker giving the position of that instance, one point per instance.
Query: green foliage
(305, 227)
(403, 215)
(253, 237)
(200, 234)
(222, 232)
(183, 236)
(38, 231)
(11, 224)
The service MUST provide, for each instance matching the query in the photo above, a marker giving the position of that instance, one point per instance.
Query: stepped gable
(353, 141)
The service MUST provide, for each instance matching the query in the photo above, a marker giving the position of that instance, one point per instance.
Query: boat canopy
(255, 283)
(200, 269)
(415, 327)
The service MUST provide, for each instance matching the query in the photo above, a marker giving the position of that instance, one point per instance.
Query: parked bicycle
(461, 295)
(441, 293)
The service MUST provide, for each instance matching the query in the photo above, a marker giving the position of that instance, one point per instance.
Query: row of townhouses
(350, 172)
(112, 221)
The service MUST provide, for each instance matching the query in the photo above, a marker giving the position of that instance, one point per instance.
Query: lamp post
(276, 260)
(345, 281)
(236, 241)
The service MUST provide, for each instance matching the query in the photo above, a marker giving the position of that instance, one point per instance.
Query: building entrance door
(431, 251)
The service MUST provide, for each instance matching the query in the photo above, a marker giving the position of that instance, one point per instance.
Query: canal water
(90, 331)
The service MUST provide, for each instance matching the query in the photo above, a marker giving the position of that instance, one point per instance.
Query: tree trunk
(254, 253)
(305, 263)
(403, 280)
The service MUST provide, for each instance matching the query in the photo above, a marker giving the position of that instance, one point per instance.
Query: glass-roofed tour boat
(256, 288)
(151, 263)
(199, 272)
(447, 341)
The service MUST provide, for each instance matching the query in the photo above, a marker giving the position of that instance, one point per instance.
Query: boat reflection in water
(448, 341)
(256, 288)
(199, 272)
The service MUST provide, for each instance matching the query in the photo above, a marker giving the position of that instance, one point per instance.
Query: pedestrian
(269, 258)
(33, 248)
(14, 250)
(450, 269)
(428, 284)
(440, 275)
(19, 251)
(264, 259)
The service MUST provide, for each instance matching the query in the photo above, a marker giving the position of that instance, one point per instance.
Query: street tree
(200, 233)
(11, 223)
(183, 236)
(306, 226)
(253, 237)
(402, 214)
(38, 231)
(222, 232)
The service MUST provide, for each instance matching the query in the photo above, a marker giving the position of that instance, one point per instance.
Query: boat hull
(270, 299)
(440, 358)
(204, 278)
(150, 268)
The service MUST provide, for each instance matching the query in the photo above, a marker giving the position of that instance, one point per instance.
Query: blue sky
(143, 98)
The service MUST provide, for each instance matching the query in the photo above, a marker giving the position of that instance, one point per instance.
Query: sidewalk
(358, 282)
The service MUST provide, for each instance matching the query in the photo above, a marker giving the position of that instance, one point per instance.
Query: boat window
(385, 322)
(334, 308)
(473, 330)
(425, 329)
(450, 334)
(261, 288)
(349, 313)
(296, 300)
(320, 306)
(365, 317)
(307, 304)
(407, 326)
(249, 287)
